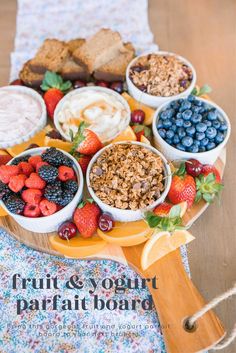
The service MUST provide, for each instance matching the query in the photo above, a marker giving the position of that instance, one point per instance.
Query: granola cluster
(128, 177)
(159, 75)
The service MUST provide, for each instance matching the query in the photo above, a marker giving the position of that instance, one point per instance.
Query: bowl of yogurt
(105, 111)
(22, 114)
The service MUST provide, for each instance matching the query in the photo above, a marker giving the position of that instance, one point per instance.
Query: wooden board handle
(176, 299)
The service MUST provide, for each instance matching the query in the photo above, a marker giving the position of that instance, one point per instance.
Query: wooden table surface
(205, 33)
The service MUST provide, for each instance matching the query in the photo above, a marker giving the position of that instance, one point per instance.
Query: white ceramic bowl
(40, 123)
(128, 215)
(50, 223)
(111, 92)
(156, 101)
(172, 153)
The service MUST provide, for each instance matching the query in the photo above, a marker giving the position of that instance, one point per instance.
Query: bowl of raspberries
(191, 127)
(40, 188)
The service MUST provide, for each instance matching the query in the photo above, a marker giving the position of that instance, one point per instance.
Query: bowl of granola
(154, 78)
(128, 178)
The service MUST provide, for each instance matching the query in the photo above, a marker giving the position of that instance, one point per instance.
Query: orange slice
(63, 145)
(149, 112)
(184, 206)
(3, 213)
(126, 135)
(127, 233)
(77, 247)
(38, 139)
(161, 244)
(4, 153)
(143, 139)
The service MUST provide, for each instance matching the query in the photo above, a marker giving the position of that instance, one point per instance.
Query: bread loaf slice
(50, 56)
(30, 78)
(73, 44)
(72, 71)
(115, 69)
(104, 46)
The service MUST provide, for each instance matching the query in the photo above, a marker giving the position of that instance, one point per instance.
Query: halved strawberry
(207, 169)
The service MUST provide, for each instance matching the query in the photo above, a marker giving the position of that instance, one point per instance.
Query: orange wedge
(4, 153)
(126, 135)
(127, 233)
(3, 213)
(184, 206)
(63, 145)
(149, 112)
(77, 247)
(37, 139)
(161, 244)
(143, 139)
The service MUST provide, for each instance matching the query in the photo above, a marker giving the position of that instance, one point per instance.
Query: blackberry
(17, 160)
(66, 197)
(48, 173)
(15, 204)
(71, 185)
(53, 192)
(4, 191)
(56, 158)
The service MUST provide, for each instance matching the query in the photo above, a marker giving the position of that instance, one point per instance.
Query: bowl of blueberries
(191, 127)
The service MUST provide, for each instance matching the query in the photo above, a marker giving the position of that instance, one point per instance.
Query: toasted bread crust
(74, 44)
(30, 78)
(72, 71)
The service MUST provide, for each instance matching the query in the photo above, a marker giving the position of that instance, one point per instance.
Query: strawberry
(165, 217)
(35, 182)
(86, 218)
(83, 161)
(34, 160)
(17, 182)
(40, 164)
(6, 171)
(26, 168)
(163, 209)
(55, 87)
(47, 208)
(141, 130)
(65, 173)
(207, 169)
(32, 211)
(32, 196)
(183, 187)
(5, 158)
(85, 141)
(16, 82)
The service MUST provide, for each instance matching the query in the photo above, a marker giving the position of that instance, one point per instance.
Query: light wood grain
(204, 32)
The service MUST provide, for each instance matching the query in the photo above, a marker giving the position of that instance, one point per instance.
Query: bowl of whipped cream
(103, 110)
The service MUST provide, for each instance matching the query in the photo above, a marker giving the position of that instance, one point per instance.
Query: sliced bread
(72, 71)
(75, 44)
(115, 69)
(50, 56)
(30, 78)
(104, 46)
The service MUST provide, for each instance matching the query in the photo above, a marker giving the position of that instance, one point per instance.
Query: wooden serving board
(176, 297)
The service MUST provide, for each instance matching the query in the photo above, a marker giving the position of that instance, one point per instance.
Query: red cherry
(79, 84)
(105, 222)
(137, 116)
(67, 230)
(17, 82)
(117, 86)
(193, 167)
(102, 84)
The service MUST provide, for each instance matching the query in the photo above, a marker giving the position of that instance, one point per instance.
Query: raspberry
(35, 182)
(40, 164)
(26, 168)
(56, 157)
(32, 211)
(15, 204)
(65, 173)
(17, 182)
(47, 208)
(6, 171)
(71, 185)
(32, 196)
(5, 158)
(34, 160)
(48, 173)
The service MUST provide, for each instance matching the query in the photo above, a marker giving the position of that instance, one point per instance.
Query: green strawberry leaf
(163, 223)
(53, 80)
(210, 177)
(198, 196)
(71, 135)
(194, 91)
(205, 89)
(208, 197)
(181, 171)
(81, 204)
(78, 137)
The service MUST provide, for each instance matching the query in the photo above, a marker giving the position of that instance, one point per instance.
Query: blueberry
(223, 126)
(193, 149)
(216, 124)
(191, 98)
(179, 115)
(202, 149)
(210, 146)
(170, 142)
(202, 110)
(162, 133)
(190, 130)
(201, 127)
(164, 115)
(187, 141)
(181, 100)
(169, 134)
(204, 142)
(173, 127)
(211, 132)
(198, 103)
(187, 114)
(167, 123)
(196, 118)
(197, 142)
(185, 105)
(181, 132)
(207, 122)
(219, 138)
(160, 124)
(170, 113)
(212, 115)
(187, 124)
(176, 139)
(180, 147)
(196, 109)
(200, 136)
(179, 122)
(174, 105)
